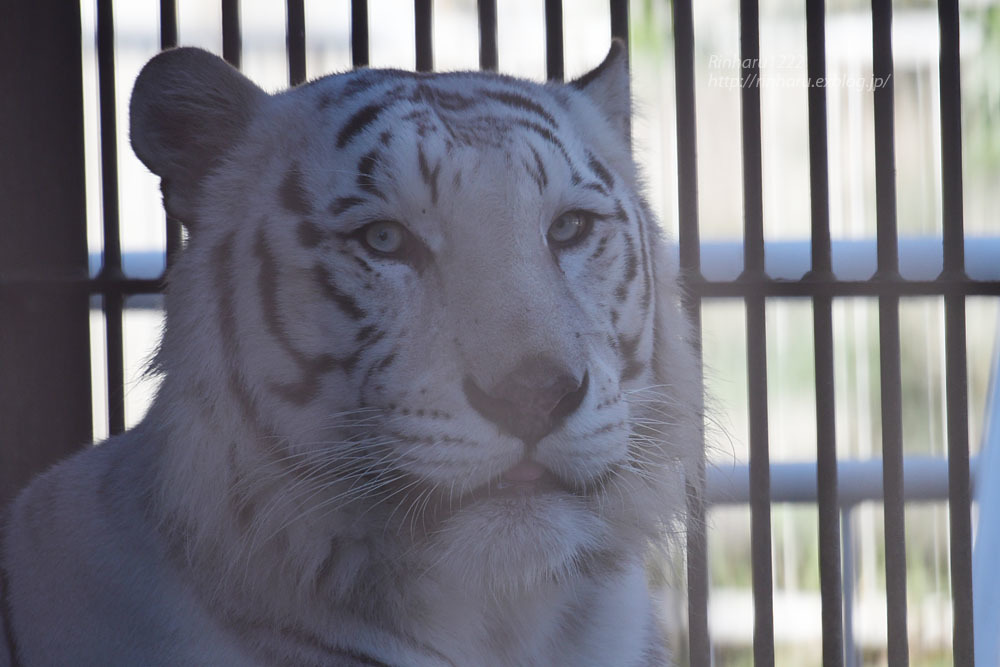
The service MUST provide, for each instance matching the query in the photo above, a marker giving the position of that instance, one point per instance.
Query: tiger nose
(531, 401)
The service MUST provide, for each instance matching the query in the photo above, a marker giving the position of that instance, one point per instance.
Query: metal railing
(822, 286)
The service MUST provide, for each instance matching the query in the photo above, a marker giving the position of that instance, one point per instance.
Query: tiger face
(436, 301)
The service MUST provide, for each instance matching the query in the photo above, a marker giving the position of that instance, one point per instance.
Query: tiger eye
(568, 228)
(385, 236)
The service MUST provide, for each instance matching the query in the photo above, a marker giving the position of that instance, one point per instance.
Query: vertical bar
(422, 29)
(892, 479)
(826, 438)
(45, 399)
(295, 13)
(700, 651)
(951, 140)
(826, 486)
(554, 40)
(488, 59)
(760, 483)
(819, 187)
(619, 30)
(888, 264)
(885, 156)
(753, 270)
(956, 369)
(111, 273)
(359, 33)
(959, 494)
(687, 147)
(753, 205)
(232, 40)
(619, 20)
(168, 24)
(850, 585)
(168, 40)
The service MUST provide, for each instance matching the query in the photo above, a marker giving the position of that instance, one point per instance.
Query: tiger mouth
(527, 478)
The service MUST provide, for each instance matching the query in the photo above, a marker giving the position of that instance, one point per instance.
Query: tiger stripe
(647, 277)
(517, 101)
(309, 234)
(311, 368)
(346, 302)
(366, 171)
(341, 205)
(222, 265)
(600, 171)
(631, 268)
(358, 122)
(292, 193)
(554, 141)
(429, 176)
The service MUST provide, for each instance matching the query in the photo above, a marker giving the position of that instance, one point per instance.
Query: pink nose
(530, 401)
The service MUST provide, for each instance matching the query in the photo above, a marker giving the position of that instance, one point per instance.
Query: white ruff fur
(315, 483)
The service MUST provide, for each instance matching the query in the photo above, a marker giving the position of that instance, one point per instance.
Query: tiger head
(434, 305)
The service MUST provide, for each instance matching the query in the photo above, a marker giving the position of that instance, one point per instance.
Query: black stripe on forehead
(441, 100)
(428, 175)
(366, 174)
(600, 171)
(366, 80)
(520, 102)
(552, 139)
(358, 122)
(341, 204)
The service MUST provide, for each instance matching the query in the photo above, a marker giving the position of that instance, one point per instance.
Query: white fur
(234, 527)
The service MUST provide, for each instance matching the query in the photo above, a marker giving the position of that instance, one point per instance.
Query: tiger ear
(188, 109)
(607, 86)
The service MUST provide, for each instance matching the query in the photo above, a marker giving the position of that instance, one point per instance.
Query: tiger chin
(428, 393)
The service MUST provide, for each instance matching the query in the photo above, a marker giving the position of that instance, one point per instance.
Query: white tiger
(428, 395)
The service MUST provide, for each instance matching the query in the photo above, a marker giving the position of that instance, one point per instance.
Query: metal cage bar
(889, 362)
(423, 32)
(168, 40)
(956, 369)
(753, 273)
(619, 19)
(699, 644)
(232, 37)
(359, 33)
(828, 509)
(295, 40)
(488, 58)
(111, 272)
(554, 67)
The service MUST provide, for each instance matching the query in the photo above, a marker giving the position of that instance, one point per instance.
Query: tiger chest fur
(428, 396)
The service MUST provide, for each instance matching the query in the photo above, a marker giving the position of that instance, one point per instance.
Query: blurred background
(790, 365)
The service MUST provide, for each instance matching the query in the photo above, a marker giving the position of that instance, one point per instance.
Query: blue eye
(569, 229)
(385, 237)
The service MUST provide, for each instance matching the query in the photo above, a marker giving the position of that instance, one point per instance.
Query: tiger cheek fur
(428, 395)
